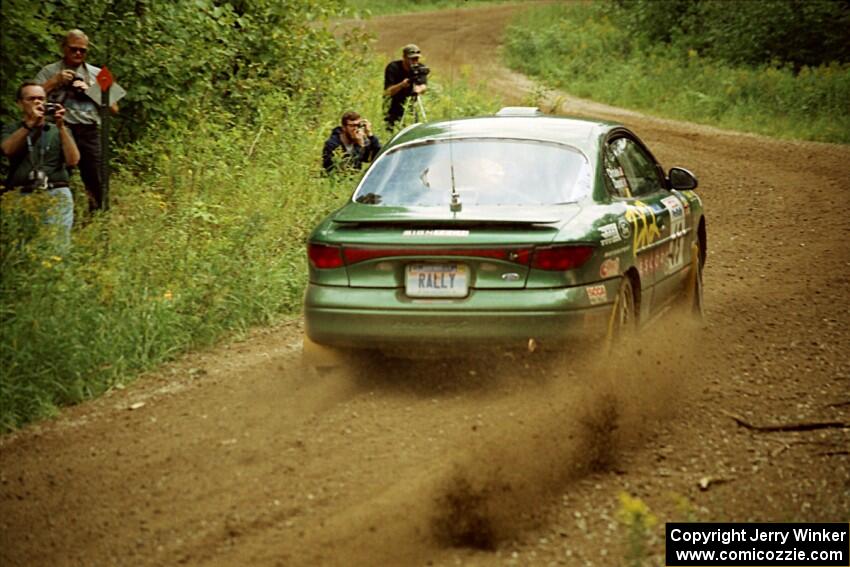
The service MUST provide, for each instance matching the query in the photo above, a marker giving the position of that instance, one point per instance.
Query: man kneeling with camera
(350, 145)
(40, 152)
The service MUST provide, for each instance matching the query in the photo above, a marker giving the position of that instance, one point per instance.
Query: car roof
(580, 133)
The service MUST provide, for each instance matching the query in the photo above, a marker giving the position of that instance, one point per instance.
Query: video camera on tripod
(419, 74)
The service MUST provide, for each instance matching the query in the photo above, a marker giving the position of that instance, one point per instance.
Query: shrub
(205, 237)
(577, 48)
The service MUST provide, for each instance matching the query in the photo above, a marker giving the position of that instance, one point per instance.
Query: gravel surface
(236, 456)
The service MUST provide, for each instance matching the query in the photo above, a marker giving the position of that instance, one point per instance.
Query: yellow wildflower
(634, 510)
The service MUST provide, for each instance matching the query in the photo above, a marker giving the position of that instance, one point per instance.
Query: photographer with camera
(39, 153)
(404, 78)
(351, 145)
(66, 82)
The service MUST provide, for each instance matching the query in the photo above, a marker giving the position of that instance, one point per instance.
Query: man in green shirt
(40, 153)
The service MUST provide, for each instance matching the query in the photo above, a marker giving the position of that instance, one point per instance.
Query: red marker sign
(104, 79)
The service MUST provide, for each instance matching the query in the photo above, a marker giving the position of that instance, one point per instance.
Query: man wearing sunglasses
(66, 82)
(39, 153)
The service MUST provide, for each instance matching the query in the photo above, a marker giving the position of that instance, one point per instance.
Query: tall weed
(383, 7)
(580, 49)
(205, 237)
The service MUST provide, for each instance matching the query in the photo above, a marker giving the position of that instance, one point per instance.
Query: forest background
(216, 177)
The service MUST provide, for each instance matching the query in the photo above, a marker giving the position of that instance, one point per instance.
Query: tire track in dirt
(480, 485)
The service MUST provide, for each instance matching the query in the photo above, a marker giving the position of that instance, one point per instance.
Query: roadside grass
(205, 238)
(579, 49)
(385, 7)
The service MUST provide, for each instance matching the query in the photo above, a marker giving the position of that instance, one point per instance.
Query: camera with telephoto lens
(36, 181)
(78, 91)
(419, 74)
(69, 90)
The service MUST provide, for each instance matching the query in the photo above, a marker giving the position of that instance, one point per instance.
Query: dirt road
(236, 457)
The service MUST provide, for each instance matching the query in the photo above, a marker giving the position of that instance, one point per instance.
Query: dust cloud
(553, 419)
(578, 423)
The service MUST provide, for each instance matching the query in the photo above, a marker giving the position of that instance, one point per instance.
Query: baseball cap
(411, 50)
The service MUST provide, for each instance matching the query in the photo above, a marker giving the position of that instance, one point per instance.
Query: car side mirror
(682, 179)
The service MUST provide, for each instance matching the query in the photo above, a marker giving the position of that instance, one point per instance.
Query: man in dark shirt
(39, 154)
(398, 85)
(350, 145)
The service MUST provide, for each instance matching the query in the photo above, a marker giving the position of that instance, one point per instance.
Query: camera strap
(42, 148)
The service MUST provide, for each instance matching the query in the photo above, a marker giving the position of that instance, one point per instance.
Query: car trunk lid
(439, 254)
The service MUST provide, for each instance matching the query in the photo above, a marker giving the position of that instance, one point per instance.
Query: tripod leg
(422, 109)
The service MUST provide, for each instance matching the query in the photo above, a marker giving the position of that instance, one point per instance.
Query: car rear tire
(693, 302)
(623, 323)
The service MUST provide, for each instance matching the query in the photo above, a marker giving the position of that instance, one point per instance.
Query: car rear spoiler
(419, 216)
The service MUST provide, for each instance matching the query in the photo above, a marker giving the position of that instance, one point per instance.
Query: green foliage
(173, 57)
(797, 32)
(210, 242)
(586, 51)
(210, 213)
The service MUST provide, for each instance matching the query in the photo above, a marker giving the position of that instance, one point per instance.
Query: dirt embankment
(235, 457)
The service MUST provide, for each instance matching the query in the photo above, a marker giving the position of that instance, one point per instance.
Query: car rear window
(483, 171)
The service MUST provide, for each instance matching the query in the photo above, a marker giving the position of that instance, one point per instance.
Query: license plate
(437, 280)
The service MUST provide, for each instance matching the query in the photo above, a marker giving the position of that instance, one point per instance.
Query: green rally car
(501, 230)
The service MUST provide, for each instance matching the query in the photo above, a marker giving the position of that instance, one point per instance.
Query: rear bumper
(376, 318)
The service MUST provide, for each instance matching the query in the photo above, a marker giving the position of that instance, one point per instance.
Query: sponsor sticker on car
(644, 225)
(610, 234)
(436, 232)
(676, 256)
(609, 268)
(596, 294)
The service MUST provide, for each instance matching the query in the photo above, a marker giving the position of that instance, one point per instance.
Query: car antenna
(456, 206)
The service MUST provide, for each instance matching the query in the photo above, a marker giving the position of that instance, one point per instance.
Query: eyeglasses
(80, 50)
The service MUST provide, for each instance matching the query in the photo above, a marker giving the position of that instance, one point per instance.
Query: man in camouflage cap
(399, 84)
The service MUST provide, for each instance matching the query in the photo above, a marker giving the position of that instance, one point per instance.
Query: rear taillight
(552, 258)
(324, 257)
(560, 258)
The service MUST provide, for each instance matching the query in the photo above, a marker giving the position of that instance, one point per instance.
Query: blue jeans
(59, 212)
